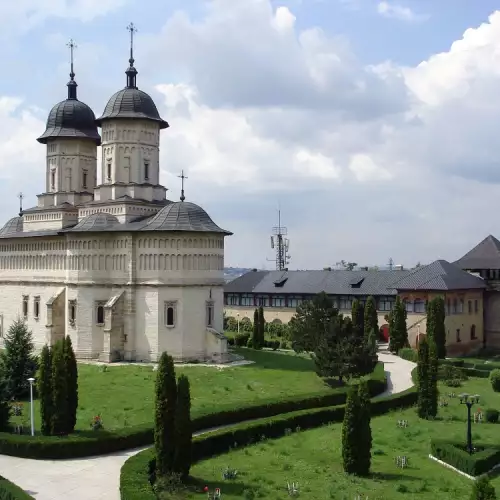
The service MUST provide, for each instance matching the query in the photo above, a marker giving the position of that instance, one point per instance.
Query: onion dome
(71, 118)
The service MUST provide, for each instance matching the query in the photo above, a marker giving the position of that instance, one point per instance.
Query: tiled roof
(485, 255)
(440, 275)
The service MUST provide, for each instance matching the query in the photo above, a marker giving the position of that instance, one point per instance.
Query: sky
(373, 125)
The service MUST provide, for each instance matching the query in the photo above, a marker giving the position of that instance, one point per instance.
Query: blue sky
(337, 109)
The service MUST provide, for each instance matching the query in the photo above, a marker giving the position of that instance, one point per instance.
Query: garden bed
(10, 491)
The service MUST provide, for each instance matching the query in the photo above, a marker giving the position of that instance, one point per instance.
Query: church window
(25, 305)
(170, 314)
(72, 311)
(108, 171)
(473, 332)
(458, 335)
(476, 306)
(36, 307)
(470, 306)
(210, 314)
(146, 170)
(52, 179)
(84, 179)
(100, 314)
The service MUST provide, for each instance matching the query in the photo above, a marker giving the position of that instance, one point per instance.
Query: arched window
(170, 314)
(473, 332)
(100, 314)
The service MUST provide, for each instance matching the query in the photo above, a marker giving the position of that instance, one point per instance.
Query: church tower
(130, 129)
(71, 138)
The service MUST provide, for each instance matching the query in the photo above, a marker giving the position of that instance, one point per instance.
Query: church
(118, 267)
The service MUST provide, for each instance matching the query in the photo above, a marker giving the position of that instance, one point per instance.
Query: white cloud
(396, 11)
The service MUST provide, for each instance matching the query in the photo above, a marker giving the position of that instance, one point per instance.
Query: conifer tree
(183, 428)
(60, 415)
(482, 489)
(432, 383)
(371, 317)
(256, 330)
(262, 325)
(423, 402)
(44, 388)
(17, 361)
(165, 404)
(364, 455)
(4, 406)
(439, 327)
(358, 319)
(72, 380)
(350, 432)
(397, 328)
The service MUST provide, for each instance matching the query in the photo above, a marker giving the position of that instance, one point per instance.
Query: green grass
(313, 459)
(123, 395)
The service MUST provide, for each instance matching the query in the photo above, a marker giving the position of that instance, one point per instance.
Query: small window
(170, 314)
(461, 306)
(476, 306)
(84, 179)
(469, 304)
(409, 306)
(25, 305)
(52, 179)
(210, 314)
(419, 306)
(473, 332)
(36, 307)
(72, 311)
(146, 170)
(108, 171)
(458, 335)
(100, 314)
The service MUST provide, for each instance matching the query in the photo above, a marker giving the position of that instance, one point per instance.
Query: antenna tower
(281, 245)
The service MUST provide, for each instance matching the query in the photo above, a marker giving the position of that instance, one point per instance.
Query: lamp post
(469, 401)
(238, 320)
(32, 409)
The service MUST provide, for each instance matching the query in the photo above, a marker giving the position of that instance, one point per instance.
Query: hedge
(138, 471)
(90, 443)
(455, 454)
(9, 491)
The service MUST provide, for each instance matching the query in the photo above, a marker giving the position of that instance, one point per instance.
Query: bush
(241, 339)
(492, 415)
(456, 455)
(136, 472)
(230, 340)
(482, 489)
(450, 372)
(409, 354)
(84, 444)
(9, 491)
(495, 379)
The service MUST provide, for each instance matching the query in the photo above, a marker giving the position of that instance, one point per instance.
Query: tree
(358, 318)
(435, 325)
(255, 333)
(72, 382)
(262, 326)
(44, 387)
(183, 428)
(482, 489)
(348, 266)
(311, 322)
(17, 360)
(364, 455)
(60, 414)
(427, 379)
(371, 317)
(398, 334)
(432, 383)
(4, 406)
(165, 408)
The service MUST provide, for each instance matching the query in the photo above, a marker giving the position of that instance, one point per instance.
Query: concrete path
(98, 477)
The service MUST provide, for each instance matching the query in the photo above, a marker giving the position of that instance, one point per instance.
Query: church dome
(14, 225)
(95, 221)
(183, 216)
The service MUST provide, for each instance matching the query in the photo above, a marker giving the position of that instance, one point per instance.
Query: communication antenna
(281, 245)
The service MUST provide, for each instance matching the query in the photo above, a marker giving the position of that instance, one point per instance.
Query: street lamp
(469, 401)
(238, 320)
(32, 409)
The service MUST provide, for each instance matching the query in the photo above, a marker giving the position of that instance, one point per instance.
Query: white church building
(118, 267)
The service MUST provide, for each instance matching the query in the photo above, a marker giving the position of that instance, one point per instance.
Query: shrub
(450, 372)
(241, 339)
(409, 354)
(492, 415)
(482, 489)
(455, 454)
(232, 324)
(230, 340)
(10, 491)
(495, 379)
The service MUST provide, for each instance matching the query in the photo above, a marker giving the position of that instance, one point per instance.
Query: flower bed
(137, 471)
(10, 491)
(455, 454)
(89, 443)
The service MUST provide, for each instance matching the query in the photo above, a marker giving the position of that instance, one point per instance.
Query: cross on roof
(131, 27)
(20, 196)
(182, 177)
(72, 46)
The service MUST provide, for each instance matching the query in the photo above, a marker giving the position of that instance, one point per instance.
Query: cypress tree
(256, 331)
(439, 328)
(183, 428)
(4, 406)
(262, 324)
(60, 415)
(423, 402)
(72, 379)
(397, 327)
(358, 319)
(371, 317)
(364, 455)
(165, 403)
(432, 383)
(44, 388)
(350, 432)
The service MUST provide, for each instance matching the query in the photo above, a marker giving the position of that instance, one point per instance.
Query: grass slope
(314, 459)
(123, 395)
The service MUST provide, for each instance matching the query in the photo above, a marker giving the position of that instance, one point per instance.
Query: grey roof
(64, 206)
(440, 275)
(71, 118)
(485, 255)
(95, 221)
(13, 226)
(131, 103)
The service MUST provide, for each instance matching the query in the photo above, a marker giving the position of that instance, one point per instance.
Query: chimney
(327, 269)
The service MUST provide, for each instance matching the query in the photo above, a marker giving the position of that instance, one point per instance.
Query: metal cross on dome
(20, 196)
(131, 27)
(182, 177)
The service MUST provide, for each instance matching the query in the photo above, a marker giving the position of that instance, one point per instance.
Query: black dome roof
(72, 119)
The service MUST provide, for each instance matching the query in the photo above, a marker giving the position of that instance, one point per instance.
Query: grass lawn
(124, 395)
(314, 459)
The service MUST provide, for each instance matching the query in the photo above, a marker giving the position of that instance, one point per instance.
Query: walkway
(98, 477)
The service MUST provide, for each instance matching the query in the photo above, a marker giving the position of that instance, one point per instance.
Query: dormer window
(146, 171)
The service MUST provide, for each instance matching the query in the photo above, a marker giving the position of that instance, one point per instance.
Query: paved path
(98, 477)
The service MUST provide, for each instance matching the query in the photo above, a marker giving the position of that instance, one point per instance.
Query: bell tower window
(52, 180)
(146, 170)
(84, 179)
(108, 171)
